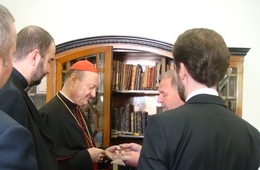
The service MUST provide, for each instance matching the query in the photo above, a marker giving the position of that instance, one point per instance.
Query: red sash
(88, 138)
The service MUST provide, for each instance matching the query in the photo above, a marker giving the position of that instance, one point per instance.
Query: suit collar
(202, 91)
(207, 99)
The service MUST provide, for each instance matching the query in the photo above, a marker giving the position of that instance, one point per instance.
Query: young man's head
(202, 58)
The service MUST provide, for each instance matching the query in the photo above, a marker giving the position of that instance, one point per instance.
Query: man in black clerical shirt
(35, 49)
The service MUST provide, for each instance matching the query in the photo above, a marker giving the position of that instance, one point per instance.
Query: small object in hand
(101, 159)
(119, 158)
(118, 162)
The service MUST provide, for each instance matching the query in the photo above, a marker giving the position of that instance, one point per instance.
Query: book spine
(133, 78)
(138, 122)
(144, 121)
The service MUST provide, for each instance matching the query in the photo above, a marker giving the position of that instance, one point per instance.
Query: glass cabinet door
(228, 88)
(231, 87)
(97, 109)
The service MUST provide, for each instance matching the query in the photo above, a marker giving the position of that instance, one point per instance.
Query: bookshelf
(103, 51)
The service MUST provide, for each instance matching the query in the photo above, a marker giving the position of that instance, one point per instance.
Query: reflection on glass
(96, 105)
(101, 81)
(99, 107)
(222, 87)
(39, 99)
(101, 60)
(93, 59)
(227, 88)
(232, 106)
(233, 70)
(232, 86)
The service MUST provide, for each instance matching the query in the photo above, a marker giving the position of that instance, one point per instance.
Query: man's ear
(184, 74)
(73, 78)
(34, 57)
(182, 71)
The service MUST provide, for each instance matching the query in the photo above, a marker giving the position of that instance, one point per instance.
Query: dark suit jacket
(16, 102)
(16, 145)
(201, 134)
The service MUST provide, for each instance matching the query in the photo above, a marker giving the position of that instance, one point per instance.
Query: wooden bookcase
(103, 50)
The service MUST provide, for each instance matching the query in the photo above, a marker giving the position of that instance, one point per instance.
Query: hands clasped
(127, 153)
(115, 154)
(123, 154)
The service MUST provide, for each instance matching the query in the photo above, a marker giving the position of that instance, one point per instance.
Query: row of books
(135, 77)
(126, 121)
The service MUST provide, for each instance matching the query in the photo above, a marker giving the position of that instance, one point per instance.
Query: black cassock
(69, 138)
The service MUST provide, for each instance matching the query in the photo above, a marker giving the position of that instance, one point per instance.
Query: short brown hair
(204, 54)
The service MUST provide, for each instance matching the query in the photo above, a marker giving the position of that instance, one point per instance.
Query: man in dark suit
(203, 133)
(169, 99)
(35, 49)
(16, 144)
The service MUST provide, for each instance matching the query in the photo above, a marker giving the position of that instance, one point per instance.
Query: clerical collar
(209, 91)
(20, 77)
(67, 100)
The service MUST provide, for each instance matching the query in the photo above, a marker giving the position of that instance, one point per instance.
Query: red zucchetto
(84, 65)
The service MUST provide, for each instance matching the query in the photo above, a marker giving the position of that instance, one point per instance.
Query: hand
(115, 154)
(96, 154)
(131, 153)
(112, 151)
(131, 158)
(131, 147)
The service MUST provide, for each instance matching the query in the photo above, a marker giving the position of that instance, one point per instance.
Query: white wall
(236, 20)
